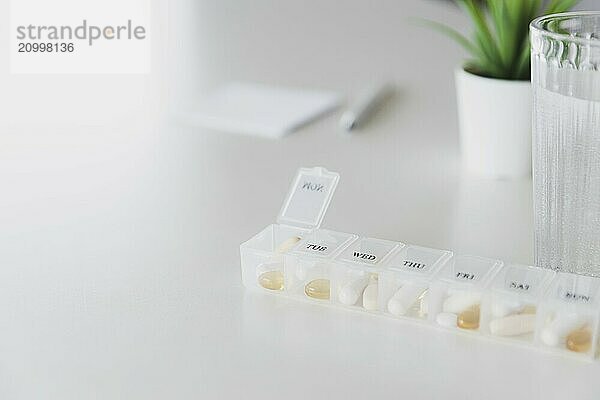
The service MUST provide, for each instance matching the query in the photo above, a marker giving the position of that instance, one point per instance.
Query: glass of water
(565, 61)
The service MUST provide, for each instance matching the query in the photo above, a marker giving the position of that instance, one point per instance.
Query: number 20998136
(46, 47)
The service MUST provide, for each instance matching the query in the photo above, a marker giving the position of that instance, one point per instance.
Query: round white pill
(555, 333)
(446, 319)
(461, 301)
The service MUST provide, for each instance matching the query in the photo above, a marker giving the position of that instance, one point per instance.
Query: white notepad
(261, 110)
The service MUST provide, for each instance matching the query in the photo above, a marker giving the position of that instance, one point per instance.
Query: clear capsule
(469, 319)
(272, 280)
(317, 289)
(580, 340)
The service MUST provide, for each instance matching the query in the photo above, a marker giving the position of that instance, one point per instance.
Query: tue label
(316, 247)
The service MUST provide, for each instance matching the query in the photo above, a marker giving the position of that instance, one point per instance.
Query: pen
(365, 106)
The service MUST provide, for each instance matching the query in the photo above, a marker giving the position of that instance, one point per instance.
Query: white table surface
(119, 257)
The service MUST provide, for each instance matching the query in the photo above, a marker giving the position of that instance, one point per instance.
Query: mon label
(313, 187)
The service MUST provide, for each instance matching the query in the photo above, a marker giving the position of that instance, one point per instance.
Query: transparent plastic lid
(323, 243)
(416, 260)
(368, 251)
(577, 290)
(469, 270)
(523, 280)
(308, 198)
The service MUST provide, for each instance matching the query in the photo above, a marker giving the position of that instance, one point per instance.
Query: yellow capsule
(469, 319)
(272, 280)
(317, 289)
(580, 340)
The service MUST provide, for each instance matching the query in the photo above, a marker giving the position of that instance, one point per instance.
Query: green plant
(499, 46)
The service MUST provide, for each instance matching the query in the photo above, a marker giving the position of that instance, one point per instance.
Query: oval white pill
(461, 301)
(403, 299)
(501, 307)
(350, 292)
(446, 319)
(512, 325)
(370, 297)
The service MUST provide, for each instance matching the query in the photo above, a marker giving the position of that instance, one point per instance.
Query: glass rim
(537, 25)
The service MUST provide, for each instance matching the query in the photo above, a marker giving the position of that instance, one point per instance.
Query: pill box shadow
(294, 327)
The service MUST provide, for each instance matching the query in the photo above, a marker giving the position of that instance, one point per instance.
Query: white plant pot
(495, 125)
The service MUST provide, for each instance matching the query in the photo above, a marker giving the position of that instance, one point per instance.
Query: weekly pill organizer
(519, 304)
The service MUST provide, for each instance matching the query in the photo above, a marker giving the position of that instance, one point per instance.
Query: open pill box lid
(308, 198)
(522, 280)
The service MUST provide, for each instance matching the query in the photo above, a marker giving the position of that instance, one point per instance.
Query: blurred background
(120, 222)
(198, 45)
(65, 128)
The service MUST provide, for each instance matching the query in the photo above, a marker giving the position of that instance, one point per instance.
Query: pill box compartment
(355, 282)
(309, 266)
(262, 257)
(455, 296)
(406, 279)
(510, 304)
(568, 316)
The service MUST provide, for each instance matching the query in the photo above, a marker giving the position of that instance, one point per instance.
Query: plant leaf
(483, 35)
(558, 6)
(499, 45)
(523, 67)
(454, 35)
